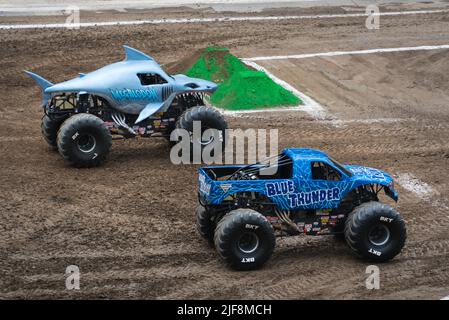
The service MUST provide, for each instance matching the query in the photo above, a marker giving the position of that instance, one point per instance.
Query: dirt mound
(252, 90)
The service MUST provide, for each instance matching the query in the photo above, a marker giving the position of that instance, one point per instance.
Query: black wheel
(244, 239)
(84, 140)
(205, 223)
(375, 231)
(49, 128)
(210, 118)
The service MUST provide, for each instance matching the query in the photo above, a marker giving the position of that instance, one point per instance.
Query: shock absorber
(284, 215)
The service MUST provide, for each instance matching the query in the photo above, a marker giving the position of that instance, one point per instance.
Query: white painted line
(310, 106)
(242, 113)
(445, 298)
(414, 185)
(341, 123)
(218, 19)
(342, 53)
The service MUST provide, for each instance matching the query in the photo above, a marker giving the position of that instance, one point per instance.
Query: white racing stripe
(218, 19)
(342, 53)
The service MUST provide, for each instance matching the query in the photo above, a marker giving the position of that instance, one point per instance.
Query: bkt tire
(244, 239)
(84, 140)
(209, 118)
(49, 128)
(375, 231)
(205, 224)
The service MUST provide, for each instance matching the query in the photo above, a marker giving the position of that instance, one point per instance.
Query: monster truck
(243, 208)
(130, 98)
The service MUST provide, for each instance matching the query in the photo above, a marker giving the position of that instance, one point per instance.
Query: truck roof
(303, 153)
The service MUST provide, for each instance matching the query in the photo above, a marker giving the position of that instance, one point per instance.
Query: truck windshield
(341, 167)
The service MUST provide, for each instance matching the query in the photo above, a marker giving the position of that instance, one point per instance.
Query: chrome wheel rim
(86, 143)
(248, 242)
(379, 235)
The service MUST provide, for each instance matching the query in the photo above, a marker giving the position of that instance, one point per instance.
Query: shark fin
(149, 109)
(43, 83)
(134, 54)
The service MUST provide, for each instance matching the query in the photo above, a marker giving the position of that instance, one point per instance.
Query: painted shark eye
(192, 85)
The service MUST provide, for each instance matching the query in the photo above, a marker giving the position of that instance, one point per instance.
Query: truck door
(320, 188)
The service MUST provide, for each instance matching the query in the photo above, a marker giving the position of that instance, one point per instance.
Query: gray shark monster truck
(130, 98)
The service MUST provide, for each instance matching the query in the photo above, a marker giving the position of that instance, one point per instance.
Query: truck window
(285, 170)
(323, 171)
(148, 79)
(284, 166)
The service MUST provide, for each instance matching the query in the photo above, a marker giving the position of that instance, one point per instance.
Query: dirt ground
(129, 225)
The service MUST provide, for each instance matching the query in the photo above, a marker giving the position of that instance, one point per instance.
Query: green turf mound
(239, 86)
(216, 64)
(249, 90)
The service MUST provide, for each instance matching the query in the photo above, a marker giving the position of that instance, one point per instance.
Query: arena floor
(129, 225)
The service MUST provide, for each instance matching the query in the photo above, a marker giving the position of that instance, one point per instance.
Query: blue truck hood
(366, 175)
(369, 174)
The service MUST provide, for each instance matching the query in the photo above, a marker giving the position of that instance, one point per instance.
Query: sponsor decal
(273, 219)
(324, 220)
(226, 187)
(203, 185)
(324, 212)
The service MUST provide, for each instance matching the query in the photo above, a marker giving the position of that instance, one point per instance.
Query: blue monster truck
(243, 208)
(134, 97)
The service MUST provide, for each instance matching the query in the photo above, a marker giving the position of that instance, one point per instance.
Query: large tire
(245, 239)
(375, 231)
(84, 141)
(205, 224)
(210, 119)
(49, 128)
